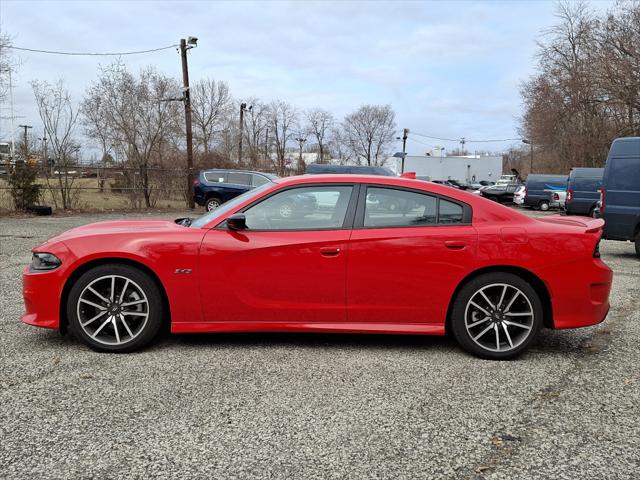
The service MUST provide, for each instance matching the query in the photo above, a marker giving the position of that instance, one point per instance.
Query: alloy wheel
(212, 204)
(113, 310)
(499, 317)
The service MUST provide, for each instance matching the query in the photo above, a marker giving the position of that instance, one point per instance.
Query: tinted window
(387, 207)
(304, 208)
(258, 180)
(239, 178)
(624, 174)
(215, 177)
(449, 212)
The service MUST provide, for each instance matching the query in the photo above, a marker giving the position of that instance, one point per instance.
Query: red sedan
(335, 253)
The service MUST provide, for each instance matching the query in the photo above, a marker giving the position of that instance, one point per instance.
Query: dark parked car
(620, 191)
(214, 187)
(540, 189)
(583, 191)
(319, 168)
(500, 193)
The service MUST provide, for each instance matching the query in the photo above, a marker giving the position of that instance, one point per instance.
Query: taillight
(596, 251)
(196, 182)
(556, 196)
(602, 195)
(569, 195)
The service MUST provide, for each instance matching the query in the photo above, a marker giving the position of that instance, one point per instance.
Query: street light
(530, 143)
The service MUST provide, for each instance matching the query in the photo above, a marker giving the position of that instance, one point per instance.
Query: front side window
(388, 207)
(257, 180)
(303, 208)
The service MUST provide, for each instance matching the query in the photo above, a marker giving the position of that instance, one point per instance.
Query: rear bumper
(580, 294)
(41, 292)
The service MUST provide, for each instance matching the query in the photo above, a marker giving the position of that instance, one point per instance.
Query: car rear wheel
(212, 204)
(496, 316)
(115, 308)
(544, 205)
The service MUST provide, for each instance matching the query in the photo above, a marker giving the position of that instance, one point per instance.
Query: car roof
(235, 170)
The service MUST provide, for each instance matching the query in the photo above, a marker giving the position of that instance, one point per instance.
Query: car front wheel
(496, 316)
(115, 308)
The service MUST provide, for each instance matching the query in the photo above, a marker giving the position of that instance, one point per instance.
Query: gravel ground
(316, 406)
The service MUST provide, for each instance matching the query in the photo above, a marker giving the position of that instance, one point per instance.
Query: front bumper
(41, 292)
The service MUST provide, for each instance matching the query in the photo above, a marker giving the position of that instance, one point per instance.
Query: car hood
(117, 226)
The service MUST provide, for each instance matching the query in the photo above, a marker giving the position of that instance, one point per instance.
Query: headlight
(44, 261)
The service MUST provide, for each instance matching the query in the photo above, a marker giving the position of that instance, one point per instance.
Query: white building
(468, 168)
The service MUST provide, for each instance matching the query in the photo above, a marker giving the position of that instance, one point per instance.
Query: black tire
(494, 199)
(143, 332)
(521, 338)
(40, 210)
(543, 205)
(638, 244)
(212, 203)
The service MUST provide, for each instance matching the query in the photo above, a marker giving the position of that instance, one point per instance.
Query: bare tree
(319, 125)
(282, 120)
(369, 131)
(256, 125)
(211, 105)
(59, 118)
(7, 65)
(587, 89)
(132, 115)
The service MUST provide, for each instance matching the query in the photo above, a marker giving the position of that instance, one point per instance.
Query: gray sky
(449, 69)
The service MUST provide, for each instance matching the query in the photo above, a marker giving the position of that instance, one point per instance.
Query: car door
(408, 252)
(289, 264)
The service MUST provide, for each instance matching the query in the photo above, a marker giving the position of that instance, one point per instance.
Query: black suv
(214, 187)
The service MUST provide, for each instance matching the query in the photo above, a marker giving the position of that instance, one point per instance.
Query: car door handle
(455, 244)
(330, 251)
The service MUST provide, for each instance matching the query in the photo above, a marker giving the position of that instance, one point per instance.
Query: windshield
(228, 206)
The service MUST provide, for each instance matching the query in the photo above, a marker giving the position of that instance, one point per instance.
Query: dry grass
(89, 196)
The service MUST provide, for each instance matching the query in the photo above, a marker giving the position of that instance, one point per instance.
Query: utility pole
(405, 134)
(186, 98)
(530, 143)
(26, 144)
(462, 142)
(243, 108)
(301, 141)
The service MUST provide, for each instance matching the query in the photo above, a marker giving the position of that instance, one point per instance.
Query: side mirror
(237, 221)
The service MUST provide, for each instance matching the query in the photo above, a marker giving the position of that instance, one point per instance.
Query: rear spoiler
(591, 225)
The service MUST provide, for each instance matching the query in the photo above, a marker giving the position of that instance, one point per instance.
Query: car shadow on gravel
(310, 340)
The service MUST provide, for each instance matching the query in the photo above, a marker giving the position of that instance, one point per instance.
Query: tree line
(137, 121)
(586, 91)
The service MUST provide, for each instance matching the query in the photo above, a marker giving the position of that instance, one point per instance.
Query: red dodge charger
(334, 253)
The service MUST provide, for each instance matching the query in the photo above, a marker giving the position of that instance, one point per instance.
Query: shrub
(24, 189)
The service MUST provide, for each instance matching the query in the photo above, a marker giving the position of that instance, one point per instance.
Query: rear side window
(624, 174)
(388, 207)
(215, 177)
(239, 178)
(449, 212)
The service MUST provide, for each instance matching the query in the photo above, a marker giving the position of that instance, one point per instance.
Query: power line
(457, 140)
(115, 54)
